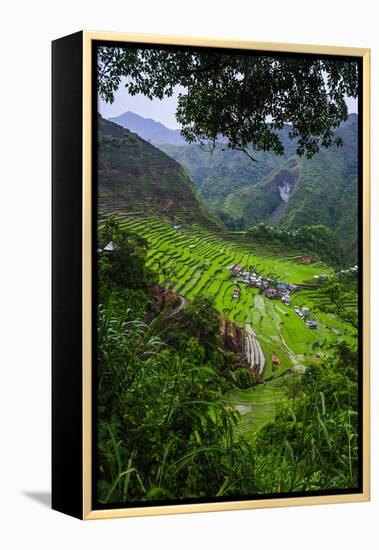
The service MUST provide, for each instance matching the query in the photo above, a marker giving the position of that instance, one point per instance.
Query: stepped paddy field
(194, 261)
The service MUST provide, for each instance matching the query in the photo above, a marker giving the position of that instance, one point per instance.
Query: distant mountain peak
(351, 119)
(148, 129)
(130, 115)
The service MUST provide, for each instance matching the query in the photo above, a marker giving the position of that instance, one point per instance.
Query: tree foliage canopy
(124, 265)
(235, 95)
(316, 240)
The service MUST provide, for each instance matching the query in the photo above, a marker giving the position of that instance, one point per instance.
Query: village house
(110, 247)
(306, 259)
(302, 313)
(252, 281)
(245, 276)
(269, 288)
(270, 293)
(305, 312)
(353, 269)
(265, 283)
(236, 269)
(281, 286)
(236, 293)
(280, 293)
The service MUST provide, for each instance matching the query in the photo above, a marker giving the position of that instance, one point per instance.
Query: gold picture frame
(84, 509)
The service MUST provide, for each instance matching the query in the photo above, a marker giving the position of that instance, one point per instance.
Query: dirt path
(294, 358)
(183, 302)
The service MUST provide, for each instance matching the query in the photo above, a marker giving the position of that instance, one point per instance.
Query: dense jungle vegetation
(165, 427)
(227, 353)
(316, 240)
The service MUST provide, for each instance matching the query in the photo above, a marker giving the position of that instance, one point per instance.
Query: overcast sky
(160, 110)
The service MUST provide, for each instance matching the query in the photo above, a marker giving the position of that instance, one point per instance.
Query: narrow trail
(253, 350)
(294, 358)
(183, 302)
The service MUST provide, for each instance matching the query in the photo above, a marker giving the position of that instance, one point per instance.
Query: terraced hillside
(195, 261)
(133, 175)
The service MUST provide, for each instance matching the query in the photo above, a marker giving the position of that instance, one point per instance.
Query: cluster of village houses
(353, 269)
(271, 289)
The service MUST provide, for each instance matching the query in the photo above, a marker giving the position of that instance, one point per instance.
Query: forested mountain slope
(322, 190)
(287, 190)
(134, 176)
(148, 129)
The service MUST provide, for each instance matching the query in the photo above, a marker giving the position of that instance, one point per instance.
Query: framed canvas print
(210, 275)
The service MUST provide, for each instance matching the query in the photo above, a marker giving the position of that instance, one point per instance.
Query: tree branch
(246, 153)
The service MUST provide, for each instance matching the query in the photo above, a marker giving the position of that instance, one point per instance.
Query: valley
(242, 193)
(194, 261)
(227, 276)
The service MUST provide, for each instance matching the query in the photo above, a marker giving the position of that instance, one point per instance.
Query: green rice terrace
(194, 261)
